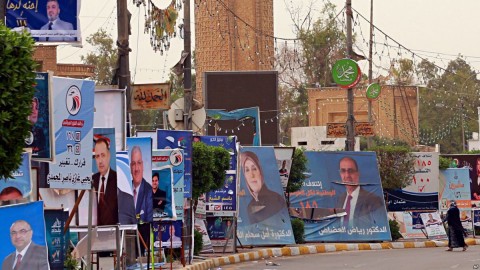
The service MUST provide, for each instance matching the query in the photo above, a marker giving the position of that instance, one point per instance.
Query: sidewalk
(214, 260)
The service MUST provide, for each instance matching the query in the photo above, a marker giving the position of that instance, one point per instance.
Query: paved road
(414, 258)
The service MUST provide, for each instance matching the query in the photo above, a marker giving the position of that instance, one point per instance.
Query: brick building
(395, 112)
(233, 35)
(46, 57)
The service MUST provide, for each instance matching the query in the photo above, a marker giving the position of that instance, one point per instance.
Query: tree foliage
(17, 80)
(209, 164)
(104, 58)
(395, 165)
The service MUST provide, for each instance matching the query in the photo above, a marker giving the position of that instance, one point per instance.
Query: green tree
(297, 172)
(395, 165)
(17, 80)
(104, 58)
(209, 164)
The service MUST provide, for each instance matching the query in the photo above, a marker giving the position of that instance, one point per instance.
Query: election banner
(167, 234)
(404, 221)
(26, 222)
(472, 163)
(345, 190)
(422, 193)
(43, 19)
(433, 225)
(73, 121)
(284, 156)
(126, 210)
(182, 139)
(110, 112)
(20, 185)
(263, 217)
(140, 157)
(57, 241)
(221, 232)
(168, 172)
(40, 139)
(202, 228)
(455, 186)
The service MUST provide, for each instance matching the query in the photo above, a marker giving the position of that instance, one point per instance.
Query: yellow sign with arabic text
(150, 96)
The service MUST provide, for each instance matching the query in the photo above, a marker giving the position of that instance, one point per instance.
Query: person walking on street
(455, 229)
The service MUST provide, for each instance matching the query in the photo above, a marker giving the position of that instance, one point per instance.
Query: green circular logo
(346, 73)
(373, 91)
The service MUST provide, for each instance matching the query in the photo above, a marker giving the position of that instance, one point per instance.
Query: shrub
(298, 228)
(394, 230)
(197, 242)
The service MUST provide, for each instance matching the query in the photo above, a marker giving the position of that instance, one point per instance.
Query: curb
(314, 249)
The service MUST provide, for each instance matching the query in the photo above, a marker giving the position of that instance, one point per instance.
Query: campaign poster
(73, 121)
(126, 210)
(168, 171)
(110, 112)
(20, 185)
(345, 190)
(57, 241)
(22, 223)
(140, 158)
(472, 163)
(40, 139)
(422, 193)
(43, 19)
(202, 228)
(404, 220)
(284, 156)
(221, 232)
(476, 218)
(104, 208)
(454, 186)
(263, 217)
(182, 139)
(433, 225)
(167, 234)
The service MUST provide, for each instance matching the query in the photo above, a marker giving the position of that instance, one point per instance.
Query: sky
(439, 30)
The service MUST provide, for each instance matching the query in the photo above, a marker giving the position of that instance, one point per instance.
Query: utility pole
(187, 69)
(370, 64)
(3, 12)
(350, 143)
(123, 71)
(187, 117)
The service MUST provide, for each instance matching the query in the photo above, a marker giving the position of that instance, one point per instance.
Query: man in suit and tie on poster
(362, 207)
(55, 23)
(27, 254)
(105, 183)
(142, 190)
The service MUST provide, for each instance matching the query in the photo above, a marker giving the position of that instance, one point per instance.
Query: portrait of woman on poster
(265, 202)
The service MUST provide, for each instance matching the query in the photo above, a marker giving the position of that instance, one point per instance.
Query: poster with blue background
(224, 199)
(169, 165)
(363, 217)
(30, 224)
(20, 185)
(73, 121)
(57, 241)
(41, 135)
(43, 19)
(182, 139)
(263, 218)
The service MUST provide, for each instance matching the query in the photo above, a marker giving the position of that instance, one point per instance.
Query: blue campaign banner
(57, 241)
(20, 185)
(140, 157)
(22, 223)
(168, 164)
(43, 19)
(73, 118)
(126, 210)
(41, 136)
(224, 199)
(476, 217)
(455, 185)
(167, 234)
(227, 142)
(263, 217)
(171, 139)
(401, 200)
(346, 190)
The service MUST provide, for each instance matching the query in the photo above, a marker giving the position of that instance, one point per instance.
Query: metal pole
(350, 143)
(89, 233)
(119, 250)
(370, 64)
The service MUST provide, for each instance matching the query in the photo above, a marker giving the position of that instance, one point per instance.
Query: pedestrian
(455, 229)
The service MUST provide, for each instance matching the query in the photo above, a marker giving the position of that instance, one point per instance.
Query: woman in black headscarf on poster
(265, 203)
(455, 229)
